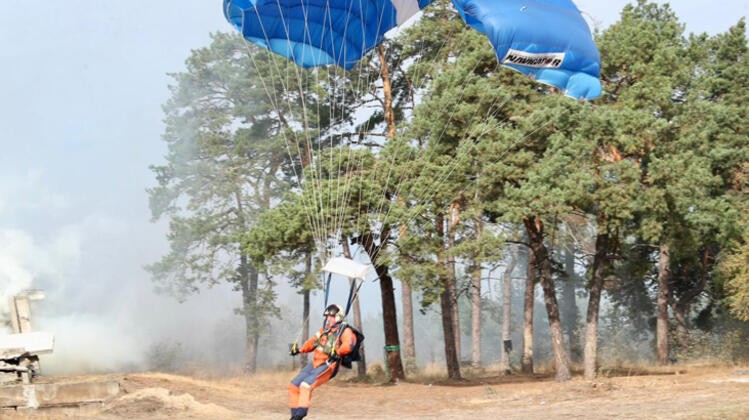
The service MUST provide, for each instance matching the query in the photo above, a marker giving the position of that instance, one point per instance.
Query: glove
(294, 349)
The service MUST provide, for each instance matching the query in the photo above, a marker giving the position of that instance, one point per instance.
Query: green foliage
(677, 124)
(220, 167)
(725, 345)
(231, 122)
(257, 172)
(735, 269)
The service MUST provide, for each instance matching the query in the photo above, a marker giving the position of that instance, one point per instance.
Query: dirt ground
(673, 393)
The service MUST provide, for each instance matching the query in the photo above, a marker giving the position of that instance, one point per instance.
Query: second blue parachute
(545, 39)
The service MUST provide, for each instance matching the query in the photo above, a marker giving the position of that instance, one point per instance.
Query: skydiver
(331, 342)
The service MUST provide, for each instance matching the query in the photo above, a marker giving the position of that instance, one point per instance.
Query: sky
(80, 122)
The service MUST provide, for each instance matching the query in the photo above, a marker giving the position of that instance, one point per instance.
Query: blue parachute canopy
(545, 39)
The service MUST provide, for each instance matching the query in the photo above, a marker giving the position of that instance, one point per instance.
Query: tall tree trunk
(387, 93)
(600, 262)
(392, 344)
(535, 228)
(389, 317)
(408, 326)
(249, 284)
(569, 306)
(664, 292)
(504, 359)
(453, 281)
(361, 365)
(451, 354)
(476, 301)
(305, 309)
(683, 306)
(476, 315)
(408, 313)
(529, 299)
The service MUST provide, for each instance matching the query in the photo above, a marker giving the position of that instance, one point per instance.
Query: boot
(298, 413)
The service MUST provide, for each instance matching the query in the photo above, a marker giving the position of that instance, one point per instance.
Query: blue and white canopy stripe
(545, 39)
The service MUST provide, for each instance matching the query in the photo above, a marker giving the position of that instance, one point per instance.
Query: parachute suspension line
(327, 289)
(382, 215)
(454, 163)
(429, 192)
(316, 201)
(271, 94)
(391, 163)
(327, 167)
(353, 294)
(322, 227)
(384, 202)
(316, 192)
(382, 60)
(419, 76)
(510, 147)
(301, 329)
(331, 155)
(309, 146)
(308, 205)
(341, 191)
(339, 198)
(343, 198)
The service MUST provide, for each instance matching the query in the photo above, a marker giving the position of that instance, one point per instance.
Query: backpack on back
(355, 354)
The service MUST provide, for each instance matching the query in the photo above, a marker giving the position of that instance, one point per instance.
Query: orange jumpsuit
(322, 367)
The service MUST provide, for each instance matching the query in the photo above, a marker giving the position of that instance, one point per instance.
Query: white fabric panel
(348, 268)
(405, 9)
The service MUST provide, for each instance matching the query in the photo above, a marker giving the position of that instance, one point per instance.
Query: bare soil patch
(658, 393)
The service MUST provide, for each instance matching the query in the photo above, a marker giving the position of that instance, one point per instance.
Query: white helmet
(336, 311)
